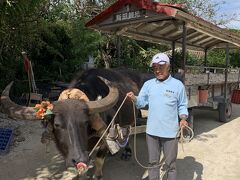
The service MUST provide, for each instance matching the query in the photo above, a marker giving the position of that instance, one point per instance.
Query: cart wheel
(225, 111)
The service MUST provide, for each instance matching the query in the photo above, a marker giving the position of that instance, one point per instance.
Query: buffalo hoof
(126, 154)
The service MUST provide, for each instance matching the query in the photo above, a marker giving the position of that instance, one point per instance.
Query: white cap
(160, 58)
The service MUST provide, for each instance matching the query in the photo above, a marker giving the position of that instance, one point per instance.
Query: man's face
(161, 71)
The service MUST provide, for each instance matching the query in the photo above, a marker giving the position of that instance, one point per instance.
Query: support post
(184, 48)
(119, 51)
(205, 57)
(226, 72)
(173, 57)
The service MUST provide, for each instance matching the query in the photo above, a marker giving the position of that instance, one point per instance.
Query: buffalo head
(69, 121)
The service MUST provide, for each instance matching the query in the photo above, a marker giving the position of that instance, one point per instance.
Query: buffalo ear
(49, 117)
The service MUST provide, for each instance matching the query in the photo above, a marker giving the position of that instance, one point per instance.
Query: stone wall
(209, 78)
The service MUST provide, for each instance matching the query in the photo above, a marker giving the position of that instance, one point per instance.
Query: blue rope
(124, 144)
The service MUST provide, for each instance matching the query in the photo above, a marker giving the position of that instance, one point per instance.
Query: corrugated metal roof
(162, 23)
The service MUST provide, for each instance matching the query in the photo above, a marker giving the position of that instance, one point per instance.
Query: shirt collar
(166, 80)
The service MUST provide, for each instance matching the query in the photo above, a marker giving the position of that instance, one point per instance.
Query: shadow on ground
(189, 168)
(206, 120)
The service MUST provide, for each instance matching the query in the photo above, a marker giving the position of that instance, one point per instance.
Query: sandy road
(214, 154)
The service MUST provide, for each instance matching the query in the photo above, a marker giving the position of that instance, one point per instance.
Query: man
(166, 98)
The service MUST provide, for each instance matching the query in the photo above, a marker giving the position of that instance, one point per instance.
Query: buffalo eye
(57, 124)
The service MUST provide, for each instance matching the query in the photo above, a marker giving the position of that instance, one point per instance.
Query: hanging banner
(26, 62)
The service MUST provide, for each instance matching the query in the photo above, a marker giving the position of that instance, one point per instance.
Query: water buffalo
(74, 121)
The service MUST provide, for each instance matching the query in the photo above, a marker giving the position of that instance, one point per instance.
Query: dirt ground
(212, 155)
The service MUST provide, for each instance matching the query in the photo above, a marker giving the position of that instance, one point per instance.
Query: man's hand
(131, 96)
(183, 123)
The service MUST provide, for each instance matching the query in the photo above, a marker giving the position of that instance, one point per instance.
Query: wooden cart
(171, 24)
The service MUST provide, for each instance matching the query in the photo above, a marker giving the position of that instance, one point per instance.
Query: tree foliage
(54, 35)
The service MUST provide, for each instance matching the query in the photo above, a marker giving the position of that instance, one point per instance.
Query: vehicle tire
(225, 111)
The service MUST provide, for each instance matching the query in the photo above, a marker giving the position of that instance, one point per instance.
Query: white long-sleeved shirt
(166, 100)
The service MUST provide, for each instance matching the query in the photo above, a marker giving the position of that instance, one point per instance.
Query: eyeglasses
(159, 68)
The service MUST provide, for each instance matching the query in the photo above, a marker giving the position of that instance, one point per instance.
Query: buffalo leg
(127, 153)
(100, 157)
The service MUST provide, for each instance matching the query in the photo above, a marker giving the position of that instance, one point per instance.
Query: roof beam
(208, 28)
(122, 30)
(160, 28)
(177, 24)
(189, 32)
(212, 43)
(223, 45)
(199, 39)
(158, 39)
(140, 25)
(205, 40)
(172, 32)
(110, 27)
(193, 35)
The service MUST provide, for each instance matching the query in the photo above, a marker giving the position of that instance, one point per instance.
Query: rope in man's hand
(182, 138)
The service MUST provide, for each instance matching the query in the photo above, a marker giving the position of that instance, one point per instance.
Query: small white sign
(128, 15)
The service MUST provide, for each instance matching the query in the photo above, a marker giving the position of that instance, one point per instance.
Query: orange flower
(38, 106)
(44, 104)
(50, 107)
(40, 113)
(42, 108)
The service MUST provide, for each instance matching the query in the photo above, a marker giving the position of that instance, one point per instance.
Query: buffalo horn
(14, 110)
(105, 103)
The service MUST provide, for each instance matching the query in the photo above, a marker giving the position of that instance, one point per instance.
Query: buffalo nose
(78, 160)
(80, 157)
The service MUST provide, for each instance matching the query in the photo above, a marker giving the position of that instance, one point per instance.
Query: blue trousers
(170, 148)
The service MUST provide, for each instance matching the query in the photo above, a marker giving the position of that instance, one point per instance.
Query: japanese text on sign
(128, 15)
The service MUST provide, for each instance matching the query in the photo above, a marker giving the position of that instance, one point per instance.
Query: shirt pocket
(170, 99)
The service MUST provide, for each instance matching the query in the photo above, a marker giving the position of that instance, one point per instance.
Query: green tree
(18, 26)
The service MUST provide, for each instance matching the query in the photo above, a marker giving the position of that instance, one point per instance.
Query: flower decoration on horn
(43, 109)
